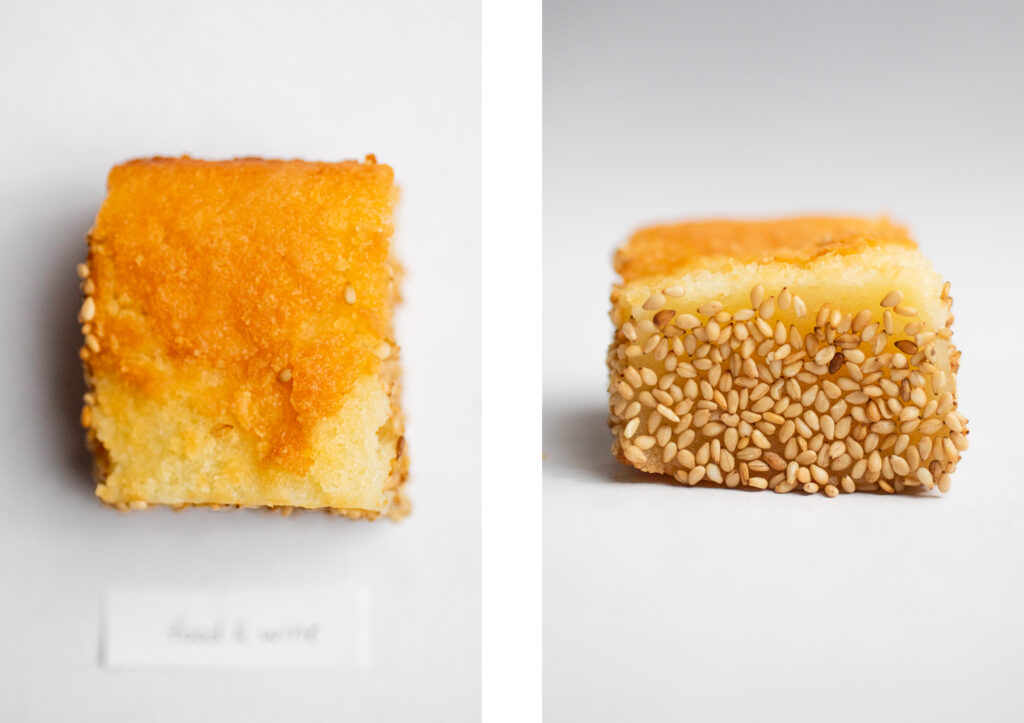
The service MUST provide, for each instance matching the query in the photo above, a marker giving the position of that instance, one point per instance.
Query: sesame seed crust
(776, 396)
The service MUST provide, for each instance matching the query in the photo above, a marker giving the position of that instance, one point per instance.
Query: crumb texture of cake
(809, 354)
(238, 336)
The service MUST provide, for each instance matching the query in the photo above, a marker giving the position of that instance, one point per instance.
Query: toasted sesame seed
(674, 292)
(349, 294)
(667, 413)
(670, 451)
(713, 429)
(818, 474)
(83, 271)
(644, 442)
(908, 413)
(634, 455)
(860, 321)
(906, 346)
(905, 311)
(285, 375)
(884, 426)
(663, 317)
(825, 355)
(822, 317)
(93, 343)
(687, 322)
(893, 298)
(709, 309)
(88, 312)
(654, 301)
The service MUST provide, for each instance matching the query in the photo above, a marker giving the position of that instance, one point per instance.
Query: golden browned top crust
(667, 249)
(261, 286)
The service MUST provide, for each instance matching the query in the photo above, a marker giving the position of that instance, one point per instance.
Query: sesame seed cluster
(778, 396)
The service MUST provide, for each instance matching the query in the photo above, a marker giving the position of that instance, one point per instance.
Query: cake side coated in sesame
(238, 336)
(828, 366)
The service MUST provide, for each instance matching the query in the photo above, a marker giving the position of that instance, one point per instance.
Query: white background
(668, 603)
(87, 85)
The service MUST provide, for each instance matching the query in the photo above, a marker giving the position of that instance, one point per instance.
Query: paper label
(147, 628)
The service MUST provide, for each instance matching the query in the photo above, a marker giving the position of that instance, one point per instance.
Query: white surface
(153, 628)
(86, 85)
(668, 603)
(511, 411)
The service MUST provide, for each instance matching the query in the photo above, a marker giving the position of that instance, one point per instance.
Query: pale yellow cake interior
(845, 282)
(179, 457)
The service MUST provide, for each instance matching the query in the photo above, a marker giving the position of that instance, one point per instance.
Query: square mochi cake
(238, 337)
(809, 354)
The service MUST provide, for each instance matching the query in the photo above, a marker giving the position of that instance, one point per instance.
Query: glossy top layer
(261, 290)
(668, 249)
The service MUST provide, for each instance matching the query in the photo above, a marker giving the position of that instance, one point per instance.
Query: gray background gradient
(663, 603)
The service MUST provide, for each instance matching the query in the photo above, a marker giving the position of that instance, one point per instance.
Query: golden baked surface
(254, 293)
(668, 248)
(819, 361)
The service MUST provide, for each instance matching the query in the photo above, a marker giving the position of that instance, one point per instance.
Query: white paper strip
(154, 628)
